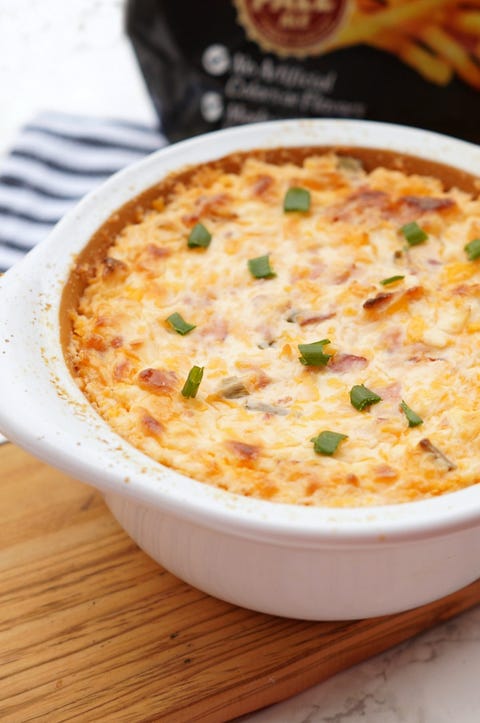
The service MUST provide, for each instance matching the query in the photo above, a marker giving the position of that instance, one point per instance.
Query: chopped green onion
(413, 419)
(413, 233)
(327, 442)
(296, 199)
(313, 355)
(260, 267)
(472, 249)
(361, 397)
(199, 237)
(190, 388)
(391, 280)
(178, 323)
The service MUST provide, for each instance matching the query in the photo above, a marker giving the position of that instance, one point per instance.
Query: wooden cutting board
(92, 629)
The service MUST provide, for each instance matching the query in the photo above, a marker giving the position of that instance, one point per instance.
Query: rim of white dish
(43, 410)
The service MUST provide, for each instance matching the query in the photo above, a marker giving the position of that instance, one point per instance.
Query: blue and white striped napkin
(56, 159)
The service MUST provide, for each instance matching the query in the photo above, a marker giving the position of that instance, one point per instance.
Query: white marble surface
(430, 679)
(71, 55)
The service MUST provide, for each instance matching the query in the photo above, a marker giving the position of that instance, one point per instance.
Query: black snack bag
(219, 63)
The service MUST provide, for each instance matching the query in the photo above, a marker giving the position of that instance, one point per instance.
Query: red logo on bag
(291, 27)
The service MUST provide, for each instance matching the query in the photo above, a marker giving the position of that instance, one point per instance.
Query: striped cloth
(57, 159)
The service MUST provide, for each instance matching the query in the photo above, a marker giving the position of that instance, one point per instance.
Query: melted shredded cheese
(249, 429)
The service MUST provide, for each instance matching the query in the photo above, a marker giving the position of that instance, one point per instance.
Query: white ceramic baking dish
(287, 560)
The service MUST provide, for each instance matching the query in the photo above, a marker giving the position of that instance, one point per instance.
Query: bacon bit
(427, 203)
(385, 471)
(112, 266)
(116, 342)
(314, 319)
(378, 301)
(157, 381)
(120, 370)
(352, 479)
(467, 290)
(158, 252)
(409, 208)
(152, 426)
(438, 454)
(347, 362)
(421, 358)
(392, 339)
(262, 184)
(391, 392)
(414, 293)
(97, 342)
(363, 199)
(247, 452)
(210, 206)
(217, 329)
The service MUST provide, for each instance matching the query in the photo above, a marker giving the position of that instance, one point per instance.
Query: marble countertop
(429, 679)
(73, 56)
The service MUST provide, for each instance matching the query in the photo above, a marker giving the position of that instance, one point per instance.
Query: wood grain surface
(91, 629)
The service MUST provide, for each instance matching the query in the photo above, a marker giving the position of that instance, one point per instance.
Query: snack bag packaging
(216, 63)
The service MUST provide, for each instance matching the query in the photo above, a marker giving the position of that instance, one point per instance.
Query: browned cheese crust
(252, 426)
